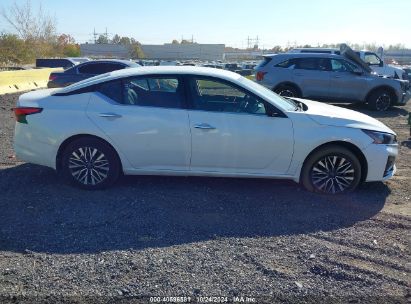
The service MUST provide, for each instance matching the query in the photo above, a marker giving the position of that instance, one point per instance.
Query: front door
(232, 132)
(345, 84)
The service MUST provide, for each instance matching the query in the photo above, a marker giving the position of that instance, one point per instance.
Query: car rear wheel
(331, 170)
(380, 100)
(287, 91)
(90, 163)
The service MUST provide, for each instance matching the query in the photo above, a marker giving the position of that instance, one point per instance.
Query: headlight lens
(381, 137)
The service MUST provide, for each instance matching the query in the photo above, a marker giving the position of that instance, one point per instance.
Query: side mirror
(381, 63)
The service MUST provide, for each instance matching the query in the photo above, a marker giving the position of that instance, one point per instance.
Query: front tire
(91, 164)
(331, 170)
(380, 100)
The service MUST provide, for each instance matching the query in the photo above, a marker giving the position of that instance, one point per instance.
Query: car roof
(126, 62)
(151, 70)
(314, 49)
(302, 55)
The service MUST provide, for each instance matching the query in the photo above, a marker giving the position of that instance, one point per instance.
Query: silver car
(330, 77)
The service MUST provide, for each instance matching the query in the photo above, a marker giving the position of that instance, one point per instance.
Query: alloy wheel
(286, 93)
(332, 174)
(88, 165)
(383, 102)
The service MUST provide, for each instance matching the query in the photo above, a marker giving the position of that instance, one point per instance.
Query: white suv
(371, 58)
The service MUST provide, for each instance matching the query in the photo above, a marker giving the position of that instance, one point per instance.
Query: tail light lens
(260, 76)
(52, 77)
(22, 112)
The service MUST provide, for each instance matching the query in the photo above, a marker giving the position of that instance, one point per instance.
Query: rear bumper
(29, 148)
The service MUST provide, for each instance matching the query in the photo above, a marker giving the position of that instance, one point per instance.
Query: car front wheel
(331, 170)
(90, 163)
(380, 100)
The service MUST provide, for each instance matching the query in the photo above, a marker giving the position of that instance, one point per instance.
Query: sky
(275, 22)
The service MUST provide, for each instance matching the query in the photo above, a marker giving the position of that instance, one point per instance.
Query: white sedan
(198, 121)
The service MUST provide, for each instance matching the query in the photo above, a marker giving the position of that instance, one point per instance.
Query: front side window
(338, 65)
(372, 59)
(220, 96)
(162, 92)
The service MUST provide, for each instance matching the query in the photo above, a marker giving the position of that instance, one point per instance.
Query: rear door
(146, 118)
(312, 74)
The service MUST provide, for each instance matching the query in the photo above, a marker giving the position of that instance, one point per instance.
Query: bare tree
(29, 23)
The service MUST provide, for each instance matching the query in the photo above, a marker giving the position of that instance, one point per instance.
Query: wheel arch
(289, 83)
(72, 138)
(383, 87)
(351, 147)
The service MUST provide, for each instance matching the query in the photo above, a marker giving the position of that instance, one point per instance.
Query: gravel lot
(267, 240)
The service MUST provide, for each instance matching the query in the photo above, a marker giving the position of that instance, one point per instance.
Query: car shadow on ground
(42, 214)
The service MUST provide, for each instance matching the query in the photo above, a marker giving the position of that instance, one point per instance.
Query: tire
(331, 170)
(90, 163)
(380, 100)
(287, 91)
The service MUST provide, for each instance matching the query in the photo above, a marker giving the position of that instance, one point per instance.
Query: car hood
(329, 115)
(348, 53)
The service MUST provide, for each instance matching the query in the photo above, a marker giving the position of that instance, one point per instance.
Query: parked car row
(330, 76)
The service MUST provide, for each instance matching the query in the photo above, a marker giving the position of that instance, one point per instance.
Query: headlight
(381, 137)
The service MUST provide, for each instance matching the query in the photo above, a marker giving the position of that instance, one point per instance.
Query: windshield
(283, 103)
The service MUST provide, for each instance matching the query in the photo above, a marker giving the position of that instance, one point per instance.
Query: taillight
(22, 112)
(260, 76)
(52, 77)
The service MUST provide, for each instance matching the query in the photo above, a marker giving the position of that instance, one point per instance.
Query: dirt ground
(267, 240)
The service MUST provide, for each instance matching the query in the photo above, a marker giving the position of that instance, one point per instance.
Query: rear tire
(91, 164)
(287, 91)
(331, 170)
(380, 100)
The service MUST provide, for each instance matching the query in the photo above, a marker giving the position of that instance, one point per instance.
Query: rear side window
(162, 92)
(319, 64)
(263, 62)
(112, 90)
(290, 63)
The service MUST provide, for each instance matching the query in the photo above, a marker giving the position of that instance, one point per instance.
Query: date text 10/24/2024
(202, 299)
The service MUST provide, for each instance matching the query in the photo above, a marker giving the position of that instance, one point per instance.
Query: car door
(232, 130)
(345, 84)
(312, 75)
(146, 119)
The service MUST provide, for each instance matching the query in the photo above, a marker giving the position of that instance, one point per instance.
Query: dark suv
(86, 70)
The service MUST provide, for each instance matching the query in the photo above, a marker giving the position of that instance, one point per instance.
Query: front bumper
(406, 96)
(378, 156)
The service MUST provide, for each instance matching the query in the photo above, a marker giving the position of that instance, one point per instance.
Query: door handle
(204, 126)
(337, 76)
(299, 74)
(109, 115)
